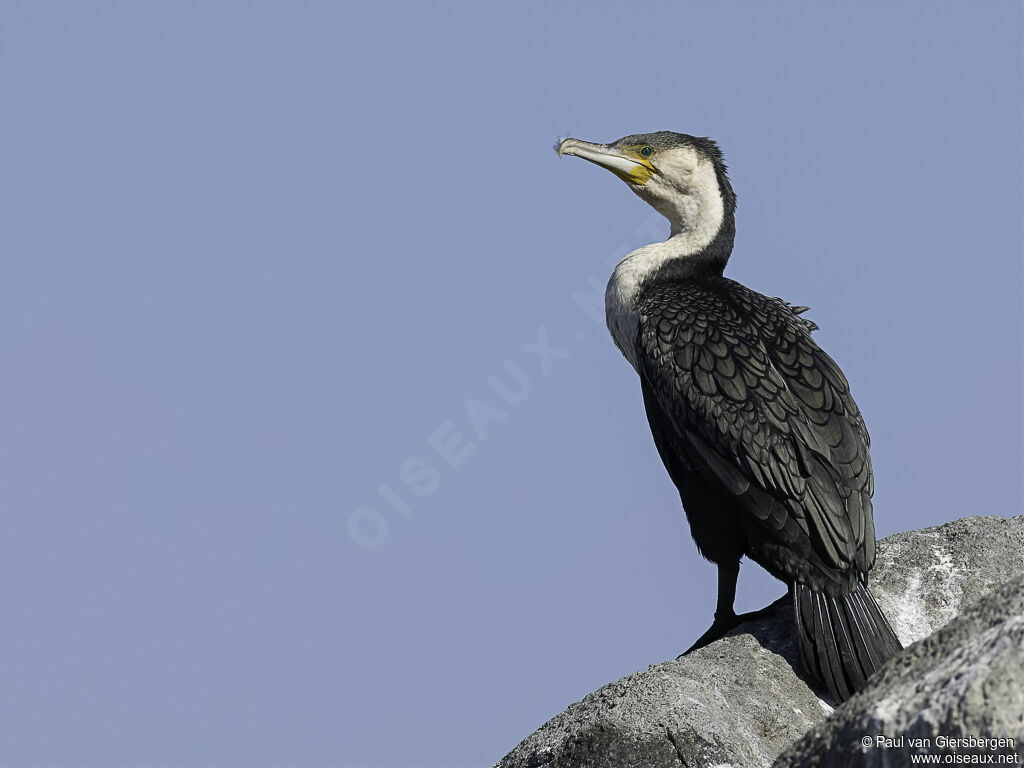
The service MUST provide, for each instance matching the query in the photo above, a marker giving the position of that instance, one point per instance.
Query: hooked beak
(629, 167)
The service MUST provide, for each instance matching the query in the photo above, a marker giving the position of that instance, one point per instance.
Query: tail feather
(891, 643)
(804, 621)
(832, 666)
(862, 647)
(848, 643)
(843, 639)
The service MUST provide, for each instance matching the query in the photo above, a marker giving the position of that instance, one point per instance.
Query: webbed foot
(722, 625)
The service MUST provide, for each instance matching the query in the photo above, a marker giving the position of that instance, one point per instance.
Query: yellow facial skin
(640, 173)
(626, 162)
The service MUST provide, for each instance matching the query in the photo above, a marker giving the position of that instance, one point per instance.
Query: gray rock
(735, 702)
(742, 700)
(924, 578)
(964, 682)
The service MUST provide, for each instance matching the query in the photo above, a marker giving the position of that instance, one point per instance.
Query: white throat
(696, 214)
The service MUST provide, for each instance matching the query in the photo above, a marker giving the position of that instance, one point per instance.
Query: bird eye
(646, 152)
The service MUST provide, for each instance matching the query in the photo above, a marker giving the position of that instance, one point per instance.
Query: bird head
(682, 177)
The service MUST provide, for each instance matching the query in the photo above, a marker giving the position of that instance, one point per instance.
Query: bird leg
(725, 617)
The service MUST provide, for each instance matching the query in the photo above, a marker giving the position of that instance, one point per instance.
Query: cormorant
(754, 422)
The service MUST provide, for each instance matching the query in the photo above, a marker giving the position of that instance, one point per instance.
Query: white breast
(623, 292)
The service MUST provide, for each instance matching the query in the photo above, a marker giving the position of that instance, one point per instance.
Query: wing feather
(760, 409)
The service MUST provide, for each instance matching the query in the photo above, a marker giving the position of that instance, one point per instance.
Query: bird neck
(681, 257)
(674, 259)
(691, 252)
(703, 227)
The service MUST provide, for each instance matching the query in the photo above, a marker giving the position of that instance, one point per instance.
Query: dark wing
(824, 396)
(761, 411)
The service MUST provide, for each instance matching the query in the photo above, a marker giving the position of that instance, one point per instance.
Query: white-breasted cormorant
(754, 422)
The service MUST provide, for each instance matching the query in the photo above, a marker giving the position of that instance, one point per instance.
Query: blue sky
(310, 455)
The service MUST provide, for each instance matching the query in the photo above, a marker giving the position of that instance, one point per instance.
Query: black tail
(843, 639)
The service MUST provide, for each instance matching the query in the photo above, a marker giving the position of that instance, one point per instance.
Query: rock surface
(924, 578)
(741, 701)
(965, 681)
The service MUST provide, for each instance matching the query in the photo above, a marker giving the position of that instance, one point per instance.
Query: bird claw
(722, 625)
